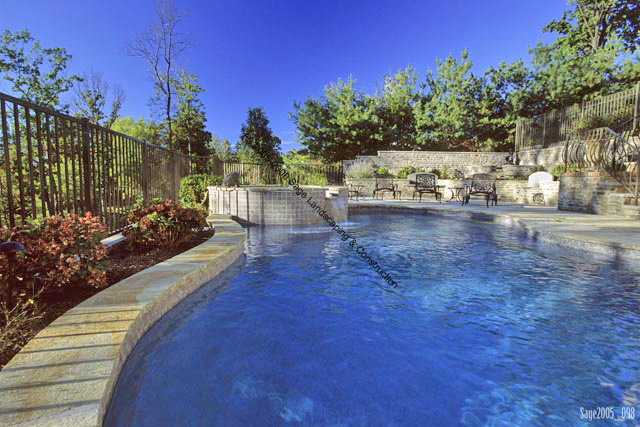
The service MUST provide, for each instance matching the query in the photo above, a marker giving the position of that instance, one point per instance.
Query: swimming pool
(485, 327)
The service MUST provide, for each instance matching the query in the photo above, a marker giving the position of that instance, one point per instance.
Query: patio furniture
(456, 193)
(427, 183)
(354, 190)
(384, 184)
(482, 183)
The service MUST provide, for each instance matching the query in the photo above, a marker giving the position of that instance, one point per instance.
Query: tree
(37, 74)
(341, 124)
(395, 110)
(447, 116)
(160, 47)
(257, 141)
(149, 131)
(91, 96)
(191, 138)
(592, 24)
(591, 56)
(221, 148)
(505, 95)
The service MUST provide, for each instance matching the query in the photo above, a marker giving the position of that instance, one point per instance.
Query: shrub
(193, 188)
(162, 223)
(612, 120)
(444, 172)
(360, 169)
(16, 326)
(383, 171)
(436, 172)
(311, 174)
(404, 172)
(557, 170)
(62, 251)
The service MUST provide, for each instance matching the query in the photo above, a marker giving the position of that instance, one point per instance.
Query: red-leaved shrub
(162, 223)
(62, 251)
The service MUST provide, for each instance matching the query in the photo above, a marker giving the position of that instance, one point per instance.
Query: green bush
(557, 170)
(162, 223)
(304, 175)
(612, 121)
(383, 171)
(404, 172)
(193, 188)
(360, 169)
(436, 172)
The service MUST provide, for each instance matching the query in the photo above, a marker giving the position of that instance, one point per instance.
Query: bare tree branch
(159, 47)
(91, 98)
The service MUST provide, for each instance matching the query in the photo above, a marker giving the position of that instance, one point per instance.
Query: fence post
(636, 106)
(86, 159)
(145, 173)
(172, 169)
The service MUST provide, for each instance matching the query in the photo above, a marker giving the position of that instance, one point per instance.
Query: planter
(518, 170)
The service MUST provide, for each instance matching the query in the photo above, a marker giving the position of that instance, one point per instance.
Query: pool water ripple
(485, 328)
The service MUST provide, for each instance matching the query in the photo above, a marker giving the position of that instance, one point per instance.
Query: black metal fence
(558, 126)
(257, 173)
(51, 163)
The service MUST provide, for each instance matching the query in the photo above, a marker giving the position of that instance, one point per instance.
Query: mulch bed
(120, 264)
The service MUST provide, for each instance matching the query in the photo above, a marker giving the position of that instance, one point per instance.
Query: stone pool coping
(65, 375)
(612, 236)
(276, 187)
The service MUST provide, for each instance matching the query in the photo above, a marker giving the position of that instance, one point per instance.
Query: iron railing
(558, 126)
(602, 149)
(261, 173)
(51, 163)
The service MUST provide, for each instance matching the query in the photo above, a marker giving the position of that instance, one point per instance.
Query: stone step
(631, 211)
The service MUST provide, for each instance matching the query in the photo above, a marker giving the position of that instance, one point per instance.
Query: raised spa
(280, 205)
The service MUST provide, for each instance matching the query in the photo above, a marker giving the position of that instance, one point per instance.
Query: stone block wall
(510, 190)
(466, 162)
(547, 157)
(593, 192)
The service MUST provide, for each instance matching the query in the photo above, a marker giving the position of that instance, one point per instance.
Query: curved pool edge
(66, 374)
(609, 236)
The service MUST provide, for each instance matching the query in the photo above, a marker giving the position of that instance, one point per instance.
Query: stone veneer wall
(511, 190)
(466, 162)
(594, 192)
(547, 157)
(276, 205)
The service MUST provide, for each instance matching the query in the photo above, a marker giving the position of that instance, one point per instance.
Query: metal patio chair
(384, 184)
(427, 183)
(482, 183)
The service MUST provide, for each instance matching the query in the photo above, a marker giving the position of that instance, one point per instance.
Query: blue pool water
(485, 328)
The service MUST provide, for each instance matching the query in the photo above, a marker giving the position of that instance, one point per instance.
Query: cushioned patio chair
(427, 183)
(482, 183)
(384, 184)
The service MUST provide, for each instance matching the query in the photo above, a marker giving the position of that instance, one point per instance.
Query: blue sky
(251, 53)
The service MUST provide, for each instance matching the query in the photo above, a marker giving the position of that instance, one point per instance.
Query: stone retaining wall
(594, 192)
(509, 190)
(466, 162)
(547, 157)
